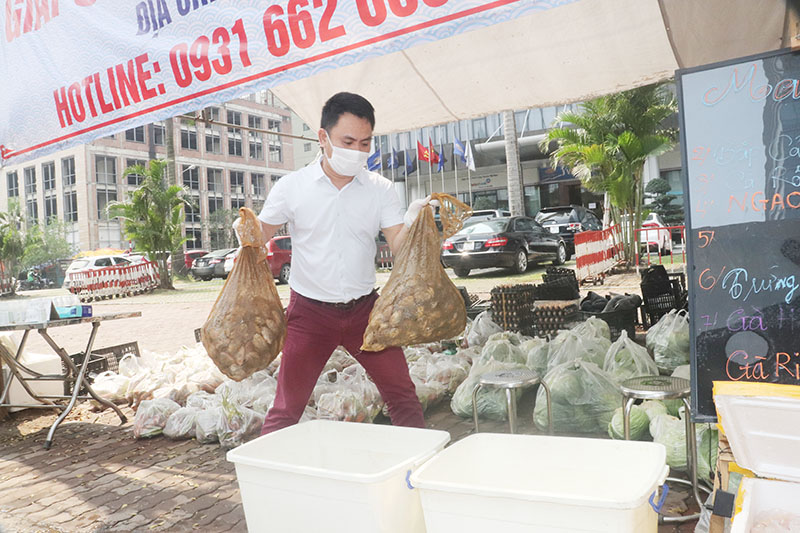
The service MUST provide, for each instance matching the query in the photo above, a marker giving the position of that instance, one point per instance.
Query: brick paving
(98, 478)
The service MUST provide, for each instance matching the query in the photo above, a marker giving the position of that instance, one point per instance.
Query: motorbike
(35, 284)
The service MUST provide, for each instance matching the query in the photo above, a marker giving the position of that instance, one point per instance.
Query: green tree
(153, 214)
(220, 228)
(45, 244)
(657, 191)
(12, 237)
(607, 144)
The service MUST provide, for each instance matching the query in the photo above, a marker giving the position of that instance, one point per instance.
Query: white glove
(236, 230)
(415, 207)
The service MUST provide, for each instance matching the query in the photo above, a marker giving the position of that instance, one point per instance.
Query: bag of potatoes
(246, 327)
(419, 303)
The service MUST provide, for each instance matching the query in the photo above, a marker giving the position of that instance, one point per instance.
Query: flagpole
(430, 162)
(441, 154)
(455, 171)
(419, 185)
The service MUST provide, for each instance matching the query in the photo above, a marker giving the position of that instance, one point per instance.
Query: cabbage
(583, 399)
(639, 424)
(674, 406)
(593, 327)
(482, 327)
(707, 449)
(504, 351)
(670, 341)
(514, 338)
(490, 402)
(671, 432)
(536, 349)
(654, 408)
(569, 346)
(626, 359)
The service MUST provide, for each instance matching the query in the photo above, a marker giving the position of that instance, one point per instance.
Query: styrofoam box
(765, 499)
(41, 363)
(334, 477)
(515, 483)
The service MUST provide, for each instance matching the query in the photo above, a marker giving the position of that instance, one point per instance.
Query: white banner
(75, 70)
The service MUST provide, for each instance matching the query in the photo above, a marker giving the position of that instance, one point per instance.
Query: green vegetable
(569, 346)
(491, 403)
(654, 408)
(626, 359)
(639, 423)
(671, 432)
(502, 350)
(593, 327)
(514, 338)
(537, 351)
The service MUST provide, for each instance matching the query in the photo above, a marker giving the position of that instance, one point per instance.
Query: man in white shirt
(335, 208)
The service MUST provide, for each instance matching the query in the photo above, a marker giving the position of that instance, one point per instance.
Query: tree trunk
(516, 192)
(166, 275)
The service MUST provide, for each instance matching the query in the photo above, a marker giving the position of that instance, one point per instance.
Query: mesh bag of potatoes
(246, 327)
(419, 303)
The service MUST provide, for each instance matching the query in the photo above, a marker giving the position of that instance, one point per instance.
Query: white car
(85, 264)
(657, 240)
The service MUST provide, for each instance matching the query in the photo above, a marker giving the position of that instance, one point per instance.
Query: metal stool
(511, 380)
(665, 388)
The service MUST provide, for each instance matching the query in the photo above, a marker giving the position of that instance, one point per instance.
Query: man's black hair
(341, 103)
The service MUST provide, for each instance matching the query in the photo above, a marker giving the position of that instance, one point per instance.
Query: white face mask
(344, 161)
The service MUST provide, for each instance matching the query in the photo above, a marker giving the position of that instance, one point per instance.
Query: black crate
(114, 354)
(102, 359)
(623, 319)
(660, 298)
(97, 365)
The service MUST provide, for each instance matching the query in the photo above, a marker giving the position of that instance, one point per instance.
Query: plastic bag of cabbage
(593, 327)
(626, 359)
(482, 328)
(499, 354)
(536, 350)
(669, 341)
(569, 345)
(583, 398)
(639, 424)
(671, 432)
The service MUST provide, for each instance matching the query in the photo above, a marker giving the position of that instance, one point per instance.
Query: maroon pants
(314, 331)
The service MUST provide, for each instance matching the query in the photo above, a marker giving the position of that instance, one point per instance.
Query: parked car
(486, 214)
(656, 240)
(85, 264)
(566, 221)
(279, 257)
(211, 265)
(190, 255)
(510, 242)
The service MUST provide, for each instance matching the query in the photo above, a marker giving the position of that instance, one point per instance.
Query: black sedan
(510, 242)
(211, 265)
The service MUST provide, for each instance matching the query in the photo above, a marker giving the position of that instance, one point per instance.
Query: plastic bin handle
(408, 480)
(664, 492)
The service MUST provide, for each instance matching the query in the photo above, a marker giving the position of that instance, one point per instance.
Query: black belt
(342, 305)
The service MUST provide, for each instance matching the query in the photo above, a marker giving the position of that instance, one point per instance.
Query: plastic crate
(623, 319)
(114, 354)
(102, 359)
(97, 365)
(660, 298)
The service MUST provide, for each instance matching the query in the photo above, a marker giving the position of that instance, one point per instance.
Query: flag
(394, 161)
(422, 153)
(442, 161)
(433, 157)
(374, 161)
(409, 164)
(468, 159)
(459, 150)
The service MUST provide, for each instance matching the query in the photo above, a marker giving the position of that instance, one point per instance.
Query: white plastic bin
(334, 477)
(515, 483)
(41, 363)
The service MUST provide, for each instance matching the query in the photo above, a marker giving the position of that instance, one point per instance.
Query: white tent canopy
(574, 52)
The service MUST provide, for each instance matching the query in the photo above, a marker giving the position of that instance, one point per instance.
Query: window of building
(237, 182)
(194, 238)
(30, 181)
(274, 178)
(32, 210)
(70, 206)
(104, 197)
(110, 235)
(273, 124)
(275, 151)
(236, 203)
(135, 134)
(212, 113)
(256, 148)
(254, 122)
(214, 203)
(257, 181)
(307, 147)
(50, 209)
(306, 127)
(133, 178)
(214, 177)
(13, 184)
(532, 202)
(213, 142)
(188, 136)
(105, 169)
(68, 171)
(234, 134)
(479, 129)
(192, 211)
(191, 177)
(159, 134)
(49, 175)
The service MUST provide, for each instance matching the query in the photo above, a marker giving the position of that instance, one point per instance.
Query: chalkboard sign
(740, 135)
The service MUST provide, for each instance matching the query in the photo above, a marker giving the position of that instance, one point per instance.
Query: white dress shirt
(333, 231)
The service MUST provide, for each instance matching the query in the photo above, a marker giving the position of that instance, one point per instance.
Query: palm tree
(610, 139)
(152, 215)
(12, 237)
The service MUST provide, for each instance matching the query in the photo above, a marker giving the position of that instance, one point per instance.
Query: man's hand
(415, 207)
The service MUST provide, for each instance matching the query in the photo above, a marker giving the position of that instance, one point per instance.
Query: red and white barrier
(597, 252)
(114, 282)
(6, 283)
